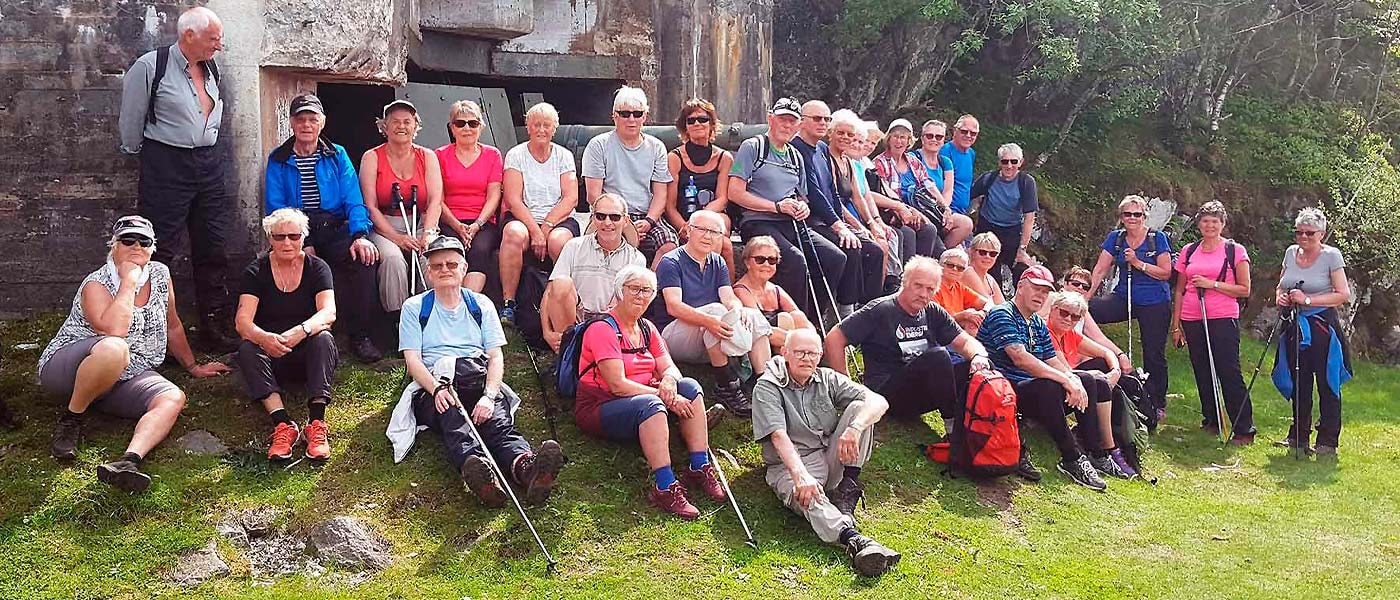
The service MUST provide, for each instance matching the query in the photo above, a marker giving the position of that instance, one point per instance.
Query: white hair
(954, 253)
(543, 110)
(1311, 216)
(286, 215)
(628, 95)
(849, 118)
(918, 262)
(196, 20)
(1073, 300)
(631, 273)
(1011, 150)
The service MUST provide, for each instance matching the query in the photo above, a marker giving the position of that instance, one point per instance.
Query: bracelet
(548, 224)
(1121, 353)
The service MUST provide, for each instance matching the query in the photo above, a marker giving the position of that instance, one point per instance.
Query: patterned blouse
(147, 335)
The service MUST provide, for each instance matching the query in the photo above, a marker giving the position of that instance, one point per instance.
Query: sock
(664, 477)
(316, 411)
(851, 473)
(133, 457)
(510, 302)
(698, 460)
(723, 374)
(280, 416)
(69, 415)
(847, 534)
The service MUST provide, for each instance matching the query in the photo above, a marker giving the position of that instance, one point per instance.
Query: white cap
(900, 123)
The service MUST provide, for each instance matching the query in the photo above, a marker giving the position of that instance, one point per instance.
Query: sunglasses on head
(818, 118)
(630, 114)
(282, 237)
(702, 119)
(766, 260)
(1083, 285)
(934, 136)
(1129, 214)
(987, 253)
(614, 217)
(132, 240)
(460, 123)
(967, 132)
(955, 266)
(1069, 315)
(1010, 161)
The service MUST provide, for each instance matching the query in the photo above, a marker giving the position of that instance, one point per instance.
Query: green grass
(1274, 527)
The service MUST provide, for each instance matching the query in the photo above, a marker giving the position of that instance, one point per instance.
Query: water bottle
(691, 201)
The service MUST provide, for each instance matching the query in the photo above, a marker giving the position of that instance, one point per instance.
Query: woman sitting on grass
(757, 290)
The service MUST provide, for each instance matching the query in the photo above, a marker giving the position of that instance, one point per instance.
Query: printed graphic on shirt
(913, 340)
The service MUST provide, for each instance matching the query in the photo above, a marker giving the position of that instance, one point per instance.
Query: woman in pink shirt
(471, 190)
(1214, 273)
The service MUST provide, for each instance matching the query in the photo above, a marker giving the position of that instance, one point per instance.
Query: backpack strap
(430, 299)
(213, 70)
(162, 57)
(616, 329)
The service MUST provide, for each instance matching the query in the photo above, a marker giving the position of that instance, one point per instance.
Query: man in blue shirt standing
(959, 151)
(1008, 209)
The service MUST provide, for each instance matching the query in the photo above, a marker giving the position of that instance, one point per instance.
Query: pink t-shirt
(463, 187)
(1208, 263)
(600, 342)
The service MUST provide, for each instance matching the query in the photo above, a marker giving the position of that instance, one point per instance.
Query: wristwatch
(305, 329)
(1307, 300)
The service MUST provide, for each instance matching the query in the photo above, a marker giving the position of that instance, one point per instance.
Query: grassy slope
(1308, 528)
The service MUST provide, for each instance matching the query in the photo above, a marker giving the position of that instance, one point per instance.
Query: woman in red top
(1067, 309)
(471, 189)
(627, 384)
(399, 160)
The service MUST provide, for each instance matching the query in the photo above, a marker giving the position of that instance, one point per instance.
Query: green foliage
(1364, 212)
(1285, 144)
(863, 22)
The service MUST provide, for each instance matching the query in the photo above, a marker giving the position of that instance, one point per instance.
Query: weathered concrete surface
(363, 40)
(720, 50)
(492, 19)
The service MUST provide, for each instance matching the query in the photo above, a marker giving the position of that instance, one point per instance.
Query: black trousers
(313, 361)
(1043, 400)
(1010, 238)
(930, 382)
(182, 190)
(1312, 373)
(356, 287)
(481, 252)
(503, 441)
(863, 278)
(794, 270)
(1225, 345)
(1153, 323)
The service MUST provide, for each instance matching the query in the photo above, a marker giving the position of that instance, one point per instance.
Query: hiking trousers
(826, 467)
(1225, 345)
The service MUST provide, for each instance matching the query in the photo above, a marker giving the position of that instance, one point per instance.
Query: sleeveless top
(146, 337)
(770, 315)
(385, 178)
(707, 182)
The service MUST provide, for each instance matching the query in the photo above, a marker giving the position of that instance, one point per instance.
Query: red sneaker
(284, 436)
(318, 445)
(707, 481)
(672, 500)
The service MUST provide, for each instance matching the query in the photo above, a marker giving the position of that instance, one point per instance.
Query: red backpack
(987, 441)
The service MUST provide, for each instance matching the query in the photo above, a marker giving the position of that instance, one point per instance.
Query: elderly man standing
(1009, 208)
(309, 173)
(703, 319)
(170, 115)
(816, 427)
(959, 152)
(632, 165)
(581, 285)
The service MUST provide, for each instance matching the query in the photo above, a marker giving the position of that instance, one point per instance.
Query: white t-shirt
(542, 190)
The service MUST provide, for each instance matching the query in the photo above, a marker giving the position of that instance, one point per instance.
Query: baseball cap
(900, 123)
(1039, 275)
(400, 103)
(304, 103)
(133, 224)
(445, 242)
(787, 106)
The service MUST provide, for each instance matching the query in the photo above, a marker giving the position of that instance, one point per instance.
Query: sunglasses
(1010, 161)
(630, 114)
(614, 217)
(967, 132)
(934, 136)
(460, 123)
(133, 240)
(444, 266)
(818, 118)
(1083, 285)
(1305, 233)
(955, 267)
(1074, 317)
(693, 120)
(987, 253)
(766, 260)
(282, 237)
(1133, 214)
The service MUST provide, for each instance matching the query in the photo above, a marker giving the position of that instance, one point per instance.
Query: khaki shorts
(127, 399)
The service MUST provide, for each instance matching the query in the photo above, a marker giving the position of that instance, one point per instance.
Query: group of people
(646, 284)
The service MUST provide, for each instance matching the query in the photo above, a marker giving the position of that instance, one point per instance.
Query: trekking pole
(1220, 416)
(397, 197)
(415, 272)
(552, 566)
(1299, 445)
(804, 233)
(550, 410)
(1278, 325)
(724, 481)
(1128, 275)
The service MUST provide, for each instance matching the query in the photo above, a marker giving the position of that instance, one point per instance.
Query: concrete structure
(61, 63)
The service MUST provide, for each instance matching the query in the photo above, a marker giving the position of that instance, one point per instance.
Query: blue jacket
(335, 175)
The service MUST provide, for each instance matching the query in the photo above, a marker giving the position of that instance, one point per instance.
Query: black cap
(787, 106)
(400, 103)
(445, 242)
(306, 102)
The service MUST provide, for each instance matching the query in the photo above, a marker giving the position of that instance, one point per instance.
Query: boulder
(200, 441)
(349, 543)
(199, 566)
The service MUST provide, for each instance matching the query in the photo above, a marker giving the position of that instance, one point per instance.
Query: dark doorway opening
(579, 101)
(351, 110)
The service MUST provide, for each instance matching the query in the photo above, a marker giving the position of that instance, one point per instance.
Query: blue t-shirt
(1004, 326)
(1147, 291)
(1005, 206)
(449, 332)
(698, 286)
(935, 171)
(908, 183)
(962, 175)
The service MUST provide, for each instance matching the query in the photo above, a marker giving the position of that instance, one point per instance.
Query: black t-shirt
(279, 311)
(889, 337)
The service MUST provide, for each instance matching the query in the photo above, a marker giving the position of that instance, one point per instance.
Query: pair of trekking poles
(409, 213)
(805, 244)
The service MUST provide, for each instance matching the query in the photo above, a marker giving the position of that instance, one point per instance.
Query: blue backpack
(566, 367)
(429, 300)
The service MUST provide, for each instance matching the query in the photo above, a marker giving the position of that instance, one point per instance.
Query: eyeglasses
(603, 217)
(693, 120)
(282, 237)
(818, 118)
(987, 253)
(1306, 233)
(460, 123)
(630, 114)
(638, 290)
(934, 136)
(444, 266)
(955, 266)
(706, 230)
(1127, 214)
(766, 260)
(133, 240)
(1010, 161)
(806, 354)
(967, 132)
(1083, 285)
(1072, 316)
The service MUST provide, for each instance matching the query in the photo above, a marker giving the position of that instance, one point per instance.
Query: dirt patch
(998, 495)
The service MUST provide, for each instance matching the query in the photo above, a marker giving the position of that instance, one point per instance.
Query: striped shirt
(1003, 327)
(310, 192)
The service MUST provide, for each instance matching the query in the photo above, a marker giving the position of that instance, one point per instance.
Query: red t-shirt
(600, 342)
(1068, 345)
(464, 187)
(385, 179)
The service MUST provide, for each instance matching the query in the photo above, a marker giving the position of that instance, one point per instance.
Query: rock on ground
(277, 554)
(348, 543)
(201, 442)
(199, 566)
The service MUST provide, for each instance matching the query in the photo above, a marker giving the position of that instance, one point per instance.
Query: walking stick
(804, 233)
(724, 481)
(1278, 325)
(1128, 273)
(415, 273)
(550, 410)
(1220, 413)
(1299, 445)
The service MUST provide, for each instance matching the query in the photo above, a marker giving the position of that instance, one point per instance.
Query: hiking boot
(65, 439)
(1122, 462)
(1107, 466)
(284, 436)
(508, 312)
(1242, 439)
(1323, 450)
(1083, 473)
(869, 557)
(672, 500)
(847, 494)
(364, 349)
(707, 480)
(731, 395)
(1025, 470)
(123, 475)
(539, 470)
(481, 480)
(318, 445)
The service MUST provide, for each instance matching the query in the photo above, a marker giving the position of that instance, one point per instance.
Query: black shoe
(123, 475)
(364, 349)
(481, 480)
(538, 472)
(65, 439)
(869, 557)
(1083, 473)
(847, 494)
(1025, 470)
(732, 396)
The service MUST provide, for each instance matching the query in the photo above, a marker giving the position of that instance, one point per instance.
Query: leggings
(1154, 321)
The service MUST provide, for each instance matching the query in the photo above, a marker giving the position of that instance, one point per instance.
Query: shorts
(689, 343)
(128, 399)
(569, 224)
(661, 233)
(620, 418)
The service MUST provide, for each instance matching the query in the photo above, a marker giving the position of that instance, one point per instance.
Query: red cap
(1039, 275)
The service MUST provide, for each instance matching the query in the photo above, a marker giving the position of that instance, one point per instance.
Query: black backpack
(528, 297)
(162, 57)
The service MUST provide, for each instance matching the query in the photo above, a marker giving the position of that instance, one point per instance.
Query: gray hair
(631, 273)
(627, 94)
(955, 253)
(935, 123)
(919, 262)
(610, 197)
(848, 118)
(286, 215)
(965, 118)
(466, 106)
(196, 20)
(543, 110)
(1011, 150)
(713, 216)
(1073, 300)
(1313, 217)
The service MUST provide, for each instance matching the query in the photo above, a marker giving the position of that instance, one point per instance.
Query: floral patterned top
(146, 337)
